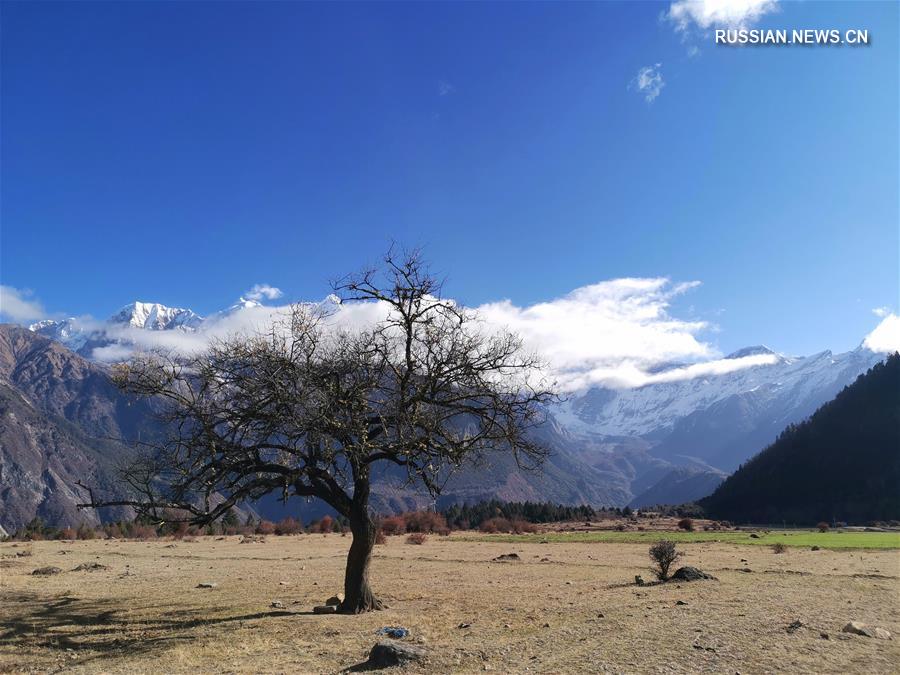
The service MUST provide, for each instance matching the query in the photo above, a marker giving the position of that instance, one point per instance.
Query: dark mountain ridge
(842, 464)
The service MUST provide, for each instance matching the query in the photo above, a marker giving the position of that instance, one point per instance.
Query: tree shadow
(98, 629)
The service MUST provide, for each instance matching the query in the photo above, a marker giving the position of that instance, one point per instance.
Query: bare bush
(663, 554)
(823, 526)
(393, 525)
(686, 524)
(417, 538)
(265, 527)
(779, 548)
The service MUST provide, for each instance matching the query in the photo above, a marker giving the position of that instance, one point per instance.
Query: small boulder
(753, 535)
(277, 604)
(507, 557)
(207, 584)
(90, 567)
(46, 571)
(858, 628)
(335, 599)
(325, 609)
(689, 573)
(389, 653)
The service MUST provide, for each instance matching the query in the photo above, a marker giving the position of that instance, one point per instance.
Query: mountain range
(669, 441)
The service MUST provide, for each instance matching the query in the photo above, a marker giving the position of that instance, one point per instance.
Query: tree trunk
(358, 597)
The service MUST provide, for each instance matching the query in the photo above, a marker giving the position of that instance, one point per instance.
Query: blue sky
(183, 152)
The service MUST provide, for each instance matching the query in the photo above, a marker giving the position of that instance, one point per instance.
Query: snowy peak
(67, 331)
(154, 316)
(756, 350)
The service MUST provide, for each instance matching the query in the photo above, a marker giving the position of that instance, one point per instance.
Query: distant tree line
(471, 516)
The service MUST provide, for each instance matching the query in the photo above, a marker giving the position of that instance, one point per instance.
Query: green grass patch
(833, 540)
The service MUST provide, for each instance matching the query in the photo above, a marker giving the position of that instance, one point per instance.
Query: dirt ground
(562, 608)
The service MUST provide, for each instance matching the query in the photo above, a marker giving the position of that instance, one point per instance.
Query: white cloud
(648, 82)
(445, 88)
(886, 336)
(706, 14)
(263, 291)
(619, 333)
(19, 305)
(613, 332)
(881, 312)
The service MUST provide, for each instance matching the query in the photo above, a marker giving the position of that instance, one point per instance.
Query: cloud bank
(616, 333)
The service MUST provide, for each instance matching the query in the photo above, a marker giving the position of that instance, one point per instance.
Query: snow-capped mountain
(708, 423)
(153, 316)
(83, 336)
(718, 420)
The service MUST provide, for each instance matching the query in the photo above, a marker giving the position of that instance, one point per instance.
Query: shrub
(68, 533)
(325, 525)
(663, 554)
(523, 526)
(380, 538)
(265, 527)
(620, 527)
(494, 525)
(85, 532)
(779, 548)
(393, 525)
(417, 538)
(139, 531)
(423, 521)
(823, 526)
(288, 525)
(686, 524)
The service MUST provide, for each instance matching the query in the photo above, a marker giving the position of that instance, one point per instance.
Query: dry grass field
(563, 607)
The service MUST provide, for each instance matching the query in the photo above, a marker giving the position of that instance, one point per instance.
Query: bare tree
(309, 407)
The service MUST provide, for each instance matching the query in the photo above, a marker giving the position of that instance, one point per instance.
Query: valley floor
(563, 607)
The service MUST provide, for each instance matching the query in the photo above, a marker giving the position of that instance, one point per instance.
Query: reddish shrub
(686, 524)
(523, 526)
(492, 525)
(393, 525)
(68, 533)
(423, 521)
(288, 526)
(823, 526)
(417, 538)
(380, 539)
(326, 525)
(265, 527)
(143, 531)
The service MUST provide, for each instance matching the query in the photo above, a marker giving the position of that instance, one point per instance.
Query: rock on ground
(859, 628)
(388, 653)
(46, 571)
(690, 574)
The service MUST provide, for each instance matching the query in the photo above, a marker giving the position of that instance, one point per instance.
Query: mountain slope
(679, 486)
(61, 421)
(717, 420)
(842, 464)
